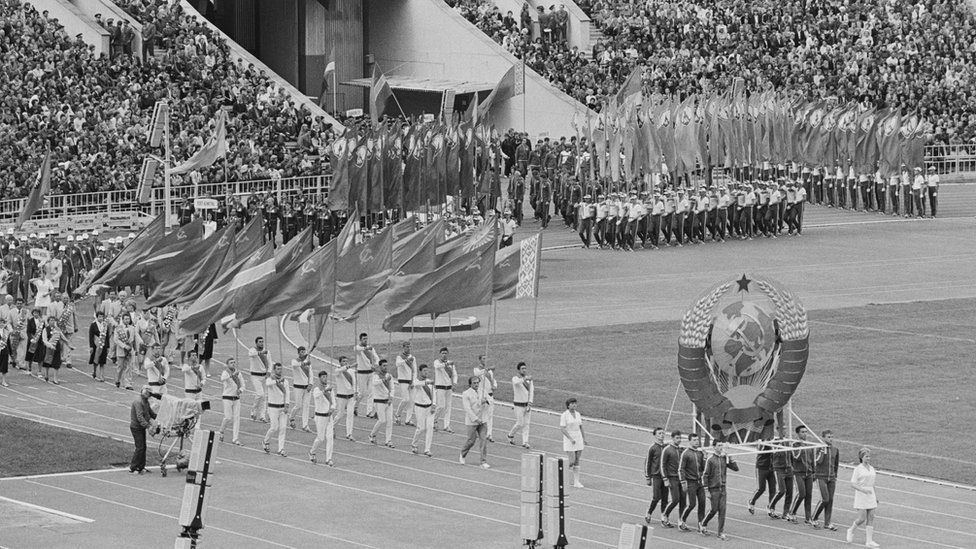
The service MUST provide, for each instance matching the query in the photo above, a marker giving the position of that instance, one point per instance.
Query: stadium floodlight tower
(742, 352)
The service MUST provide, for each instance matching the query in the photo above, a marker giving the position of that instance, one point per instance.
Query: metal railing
(62, 206)
(951, 158)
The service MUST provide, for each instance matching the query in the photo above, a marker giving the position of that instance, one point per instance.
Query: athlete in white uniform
(193, 378)
(301, 372)
(279, 396)
(423, 402)
(381, 385)
(157, 370)
(523, 391)
(445, 376)
(345, 388)
(366, 360)
(259, 364)
(406, 365)
(487, 389)
(323, 401)
(232, 382)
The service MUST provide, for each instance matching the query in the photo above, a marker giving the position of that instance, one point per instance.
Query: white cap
(10, 230)
(84, 236)
(131, 235)
(33, 235)
(62, 248)
(101, 248)
(71, 238)
(95, 232)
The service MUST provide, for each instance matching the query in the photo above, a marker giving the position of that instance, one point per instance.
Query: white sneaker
(577, 484)
(850, 535)
(871, 544)
(485, 466)
(461, 459)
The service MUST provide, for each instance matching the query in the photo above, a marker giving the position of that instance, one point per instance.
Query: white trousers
(302, 400)
(325, 432)
(523, 419)
(344, 409)
(406, 399)
(232, 415)
(384, 416)
(365, 391)
(279, 424)
(425, 424)
(443, 399)
(260, 408)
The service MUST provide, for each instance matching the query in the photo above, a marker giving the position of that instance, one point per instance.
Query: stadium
(486, 273)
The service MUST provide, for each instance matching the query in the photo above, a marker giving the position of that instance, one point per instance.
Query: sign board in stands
(40, 254)
(205, 203)
(354, 113)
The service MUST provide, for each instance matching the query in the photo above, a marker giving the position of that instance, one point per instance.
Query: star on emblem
(743, 283)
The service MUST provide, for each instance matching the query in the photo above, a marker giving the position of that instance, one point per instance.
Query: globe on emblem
(742, 338)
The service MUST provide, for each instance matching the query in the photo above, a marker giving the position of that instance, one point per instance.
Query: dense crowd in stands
(919, 56)
(93, 111)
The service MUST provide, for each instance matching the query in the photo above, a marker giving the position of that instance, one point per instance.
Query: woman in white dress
(865, 501)
(571, 424)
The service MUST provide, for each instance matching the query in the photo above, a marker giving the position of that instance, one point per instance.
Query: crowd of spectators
(919, 56)
(92, 111)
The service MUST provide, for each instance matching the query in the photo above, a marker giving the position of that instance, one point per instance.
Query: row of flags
(407, 167)
(235, 277)
(660, 134)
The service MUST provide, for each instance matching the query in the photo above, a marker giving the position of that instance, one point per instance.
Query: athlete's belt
(156, 383)
(520, 404)
(276, 405)
(259, 374)
(381, 401)
(364, 372)
(344, 396)
(323, 414)
(407, 381)
(192, 391)
(300, 386)
(422, 405)
(225, 397)
(442, 386)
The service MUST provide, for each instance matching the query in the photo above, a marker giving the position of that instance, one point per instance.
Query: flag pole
(393, 95)
(167, 178)
(335, 86)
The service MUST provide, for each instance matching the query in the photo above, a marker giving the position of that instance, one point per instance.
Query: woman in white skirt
(865, 501)
(571, 424)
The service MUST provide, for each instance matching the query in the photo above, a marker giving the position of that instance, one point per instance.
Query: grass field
(31, 448)
(895, 376)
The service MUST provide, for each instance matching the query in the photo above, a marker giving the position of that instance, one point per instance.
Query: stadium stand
(93, 111)
(919, 56)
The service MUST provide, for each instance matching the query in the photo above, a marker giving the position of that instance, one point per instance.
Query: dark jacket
(671, 461)
(826, 462)
(803, 461)
(692, 465)
(652, 465)
(141, 414)
(715, 471)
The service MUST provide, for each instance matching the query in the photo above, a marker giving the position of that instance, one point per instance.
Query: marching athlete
(825, 465)
(346, 393)
(523, 392)
(714, 479)
(406, 365)
(366, 360)
(193, 378)
(279, 396)
(301, 372)
(324, 402)
(232, 382)
(445, 376)
(259, 364)
(670, 467)
(487, 389)
(690, 471)
(381, 384)
(423, 402)
(652, 472)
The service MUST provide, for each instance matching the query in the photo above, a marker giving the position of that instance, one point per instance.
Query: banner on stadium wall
(40, 254)
(354, 112)
(205, 203)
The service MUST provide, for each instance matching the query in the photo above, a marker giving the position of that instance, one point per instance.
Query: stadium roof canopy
(435, 85)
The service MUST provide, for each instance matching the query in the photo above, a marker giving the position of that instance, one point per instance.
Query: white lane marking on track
(47, 510)
(68, 474)
(886, 331)
(120, 504)
(508, 473)
(249, 517)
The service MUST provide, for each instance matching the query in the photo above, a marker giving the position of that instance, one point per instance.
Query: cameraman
(140, 421)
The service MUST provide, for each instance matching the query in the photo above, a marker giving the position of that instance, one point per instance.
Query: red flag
(379, 93)
(40, 189)
(141, 245)
(213, 304)
(310, 285)
(339, 157)
(162, 247)
(416, 253)
(465, 281)
(358, 168)
(221, 263)
(168, 271)
(361, 272)
(486, 234)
